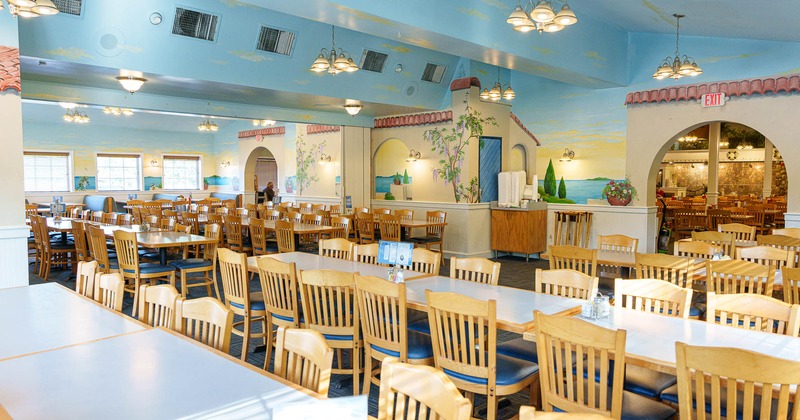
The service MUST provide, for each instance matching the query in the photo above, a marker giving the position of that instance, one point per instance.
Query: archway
(391, 159)
(261, 167)
(518, 158)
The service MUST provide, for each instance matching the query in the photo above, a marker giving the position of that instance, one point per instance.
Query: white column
(768, 148)
(713, 163)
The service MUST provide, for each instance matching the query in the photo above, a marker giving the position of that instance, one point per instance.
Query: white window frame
(177, 156)
(70, 176)
(140, 169)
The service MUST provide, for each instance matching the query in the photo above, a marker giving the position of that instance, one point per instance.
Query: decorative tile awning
(9, 69)
(262, 132)
(319, 129)
(747, 87)
(525, 129)
(437, 117)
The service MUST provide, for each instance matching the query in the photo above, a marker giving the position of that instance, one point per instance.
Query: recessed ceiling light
(156, 18)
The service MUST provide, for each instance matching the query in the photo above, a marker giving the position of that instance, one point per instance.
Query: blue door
(489, 166)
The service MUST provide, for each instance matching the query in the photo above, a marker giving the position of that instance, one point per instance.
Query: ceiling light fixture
(353, 109)
(263, 123)
(131, 83)
(678, 66)
(115, 111)
(208, 126)
(76, 117)
(413, 155)
(30, 8)
(567, 156)
(689, 138)
(541, 17)
(498, 91)
(334, 61)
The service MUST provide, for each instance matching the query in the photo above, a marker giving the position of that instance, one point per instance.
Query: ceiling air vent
(373, 61)
(275, 41)
(195, 24)
(70, 7)
(433, 73)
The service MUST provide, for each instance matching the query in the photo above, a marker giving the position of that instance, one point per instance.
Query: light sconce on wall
(323, 158)
(225, 163)
(413, 155)
(154, 163)
(567, 156)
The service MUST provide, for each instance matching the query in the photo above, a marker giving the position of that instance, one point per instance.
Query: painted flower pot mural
(619, 193)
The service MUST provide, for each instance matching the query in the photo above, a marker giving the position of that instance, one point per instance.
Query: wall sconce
(323, 158)
(413, 155)
(567, 156)
(225, 163)
(154, 163)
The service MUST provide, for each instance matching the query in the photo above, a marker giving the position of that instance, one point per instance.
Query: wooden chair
(417, 392)
(568, 348)
(344, 224)
(335, 209)
(303, 357)
(325, 215)
(479, 270)
(652, 295)
(434, 235)
(390, 227)
(132, 271)
(51, 253)
(741, 232)
(464, 338)
(791, 232)
(109, 290)
(790, 278)
(676, 270)
(258, 236)
(84, 279)
(759, 220)
(384, 322)
(787, 243)
(157, 305)
(280, 290)
(425, 261)
(309, 239)
(730, 381)
(293, 216)
(234, 236)
(206, 264)
(336, 248)
(124, 219)
(527, 412)
(151, 219)
(329, 307)
(739, 276)
(381, 211)
(248, 305)
(725, 241)
(206, 320)
(167, 223)
(365, 226)
(717, 217)
(573, 258)
(366, 254)
(754, 312)
(696, 249)
(31, 210)
(284, 233)
(684, 222)
(615, 243)
(405, 215)
(98, 249)
(109, 218)
(81, 241)
(767, 255)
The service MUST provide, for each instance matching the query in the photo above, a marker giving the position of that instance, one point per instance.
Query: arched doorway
(391, 165)
(518, 158)
(261, 167)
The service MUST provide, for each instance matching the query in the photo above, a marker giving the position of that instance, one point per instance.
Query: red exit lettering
(712, 99)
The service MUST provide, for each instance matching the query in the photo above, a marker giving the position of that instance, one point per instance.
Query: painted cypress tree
(562, 189)
(550, 179)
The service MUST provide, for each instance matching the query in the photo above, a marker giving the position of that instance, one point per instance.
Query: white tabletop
(306, 261)
(152, 374)
(48, 316)
(651, 338)
(514, 306)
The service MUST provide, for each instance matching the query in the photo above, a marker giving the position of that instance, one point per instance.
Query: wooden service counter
(520, 230)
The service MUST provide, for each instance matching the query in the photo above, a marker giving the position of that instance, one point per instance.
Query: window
(181, 172)
(119, 172)
(47, 171)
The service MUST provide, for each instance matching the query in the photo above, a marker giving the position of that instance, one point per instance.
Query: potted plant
(619, 193)
(397, 178)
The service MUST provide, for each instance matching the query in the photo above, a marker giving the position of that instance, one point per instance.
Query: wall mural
(84, 183)
(306, 156)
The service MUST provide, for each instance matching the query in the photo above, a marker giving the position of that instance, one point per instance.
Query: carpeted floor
(515, 272)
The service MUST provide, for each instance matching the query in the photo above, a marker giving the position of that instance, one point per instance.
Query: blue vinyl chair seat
(255, 304)
(338, 337)
(637, 407)
(424, 239)
(114, 265)
(59, 245)
(509, 371)
(288, 318)
(152, 268)
(190, 263)
(422, 326)
(519, 348)
(419, 346)
(647, 382)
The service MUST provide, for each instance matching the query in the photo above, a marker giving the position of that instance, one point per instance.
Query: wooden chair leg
(269, 343)
(368, 376)
(355, 363)
(245, 336)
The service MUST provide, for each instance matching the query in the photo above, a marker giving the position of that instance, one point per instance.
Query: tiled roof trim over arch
(9, 69)
(437, 117)
(525, 129)
(465, 83)
(319, 129)
(272, 131)
(730, 88)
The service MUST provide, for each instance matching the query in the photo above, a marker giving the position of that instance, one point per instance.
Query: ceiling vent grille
(433, 73)
(373, 61)
(195, 24)
(275, 41)
(70, 7)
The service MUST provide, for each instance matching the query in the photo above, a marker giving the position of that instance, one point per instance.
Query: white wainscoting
(636, 222)
(792, 220)
(14, 256)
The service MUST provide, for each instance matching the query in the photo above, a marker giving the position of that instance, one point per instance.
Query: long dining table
(651, 338)
(514, 306)
(306, 261)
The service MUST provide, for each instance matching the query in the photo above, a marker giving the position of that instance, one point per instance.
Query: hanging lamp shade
(517, 17)
(566, 16)
(44, 7)
(543, 12)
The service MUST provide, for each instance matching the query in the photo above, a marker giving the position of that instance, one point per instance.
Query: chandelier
(117, 111)
(541, 17)
(498, 91)
(263, 123)
(678, 66)
(208, 126)
(30, 8)
(334, 61)
(76, 117)
(689, 138)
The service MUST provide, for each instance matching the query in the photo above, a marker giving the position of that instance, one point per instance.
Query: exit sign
(712, 99)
